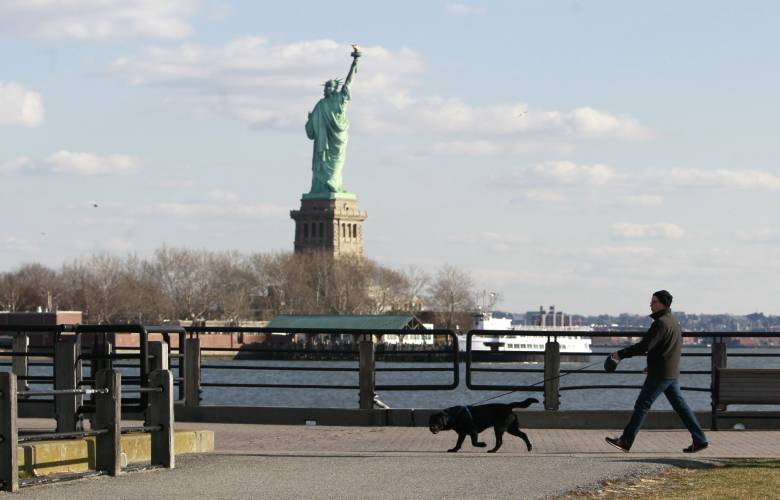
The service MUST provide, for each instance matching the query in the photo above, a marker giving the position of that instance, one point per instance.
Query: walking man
(663, 345)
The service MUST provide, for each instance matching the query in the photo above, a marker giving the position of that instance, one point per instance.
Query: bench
(744, 386)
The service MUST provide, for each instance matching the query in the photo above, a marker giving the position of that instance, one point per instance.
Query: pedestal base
(330, 222)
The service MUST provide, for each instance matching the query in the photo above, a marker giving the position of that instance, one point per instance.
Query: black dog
(471, 420)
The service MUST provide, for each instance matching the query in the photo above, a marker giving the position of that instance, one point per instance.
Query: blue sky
(581, 154)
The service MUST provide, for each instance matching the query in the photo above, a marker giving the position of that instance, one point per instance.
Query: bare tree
(450, 294)
(235, 285)
(416, 281)
(184, 278)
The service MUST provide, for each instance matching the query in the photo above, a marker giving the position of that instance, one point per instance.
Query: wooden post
(159, 350)
(552, 372)
(192, 373)
(182, 363)
(108, 408)
(161, 413)
(67, 374)
(20, 364)
(9, 466)
(367, 373)
(719, 359)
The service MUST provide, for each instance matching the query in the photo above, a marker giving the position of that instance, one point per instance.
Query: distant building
(549, 317)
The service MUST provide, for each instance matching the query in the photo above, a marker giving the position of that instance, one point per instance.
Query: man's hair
(664, 297)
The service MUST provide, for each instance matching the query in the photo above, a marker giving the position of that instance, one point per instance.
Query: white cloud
(645, 200)
(599, 184)
(722, 178)
(461, 9)
(761, 235)
(16, 166)
(220, 204)
(274, 85)
(559, 173)
(103, 19)
(20, 106)
(88, 164)
(630, 231)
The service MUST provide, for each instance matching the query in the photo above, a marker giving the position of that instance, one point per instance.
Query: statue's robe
(327, 126)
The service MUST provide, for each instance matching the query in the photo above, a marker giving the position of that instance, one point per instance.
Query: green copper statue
(327, 126)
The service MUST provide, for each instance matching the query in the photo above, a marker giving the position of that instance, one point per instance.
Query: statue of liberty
(327, 126)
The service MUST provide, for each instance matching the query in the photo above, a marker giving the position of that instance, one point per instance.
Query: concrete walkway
(253, 461)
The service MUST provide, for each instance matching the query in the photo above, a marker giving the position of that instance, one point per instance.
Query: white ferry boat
(494, 345)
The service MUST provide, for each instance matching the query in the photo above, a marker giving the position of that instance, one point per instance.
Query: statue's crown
(332, 83)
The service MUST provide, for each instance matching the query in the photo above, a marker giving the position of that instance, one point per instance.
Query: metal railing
(366, 355)
(552, 359)
(106, 426)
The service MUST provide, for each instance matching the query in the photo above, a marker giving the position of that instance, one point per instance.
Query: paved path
(254, 461)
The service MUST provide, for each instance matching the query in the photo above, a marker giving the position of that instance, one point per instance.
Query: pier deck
(261, 461)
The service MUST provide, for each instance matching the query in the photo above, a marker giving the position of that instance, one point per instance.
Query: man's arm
(649, 341)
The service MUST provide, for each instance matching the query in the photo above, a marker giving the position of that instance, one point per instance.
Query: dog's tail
(524, 404)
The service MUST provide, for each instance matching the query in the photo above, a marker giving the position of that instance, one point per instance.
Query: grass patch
(731, 479)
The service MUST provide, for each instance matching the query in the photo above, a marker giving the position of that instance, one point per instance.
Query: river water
(590, 399)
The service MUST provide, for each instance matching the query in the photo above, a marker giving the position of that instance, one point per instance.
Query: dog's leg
(514, 430)
(461, 438)
(475, 441)
(499, 439)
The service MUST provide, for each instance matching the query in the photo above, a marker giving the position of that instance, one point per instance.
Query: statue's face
(330, 88)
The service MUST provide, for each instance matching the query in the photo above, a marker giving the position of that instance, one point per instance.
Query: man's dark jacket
(663, 345)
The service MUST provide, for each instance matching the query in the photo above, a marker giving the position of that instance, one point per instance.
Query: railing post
(67, 374)
(108, 408)
(367, 376)
(20, 364)
(552, 372)
(181, 363)
(719, 359)
(161, 413)
(158, 350)
(192, 373)
(9, 466)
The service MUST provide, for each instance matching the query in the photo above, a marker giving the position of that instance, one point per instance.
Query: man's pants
(650, 391)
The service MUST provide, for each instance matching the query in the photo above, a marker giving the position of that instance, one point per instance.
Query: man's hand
(644, 370)
(615, 356)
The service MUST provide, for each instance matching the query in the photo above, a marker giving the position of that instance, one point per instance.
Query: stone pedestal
(333, 224)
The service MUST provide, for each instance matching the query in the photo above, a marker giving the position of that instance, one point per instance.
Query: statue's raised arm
(352, 69)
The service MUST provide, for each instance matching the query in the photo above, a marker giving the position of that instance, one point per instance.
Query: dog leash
(537, 383)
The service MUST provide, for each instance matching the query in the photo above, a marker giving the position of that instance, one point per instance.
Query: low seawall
(418, 417)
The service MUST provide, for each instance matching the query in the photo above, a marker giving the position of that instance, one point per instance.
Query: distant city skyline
(572, 153)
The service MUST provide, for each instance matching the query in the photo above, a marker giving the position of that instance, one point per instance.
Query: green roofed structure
(347, 322)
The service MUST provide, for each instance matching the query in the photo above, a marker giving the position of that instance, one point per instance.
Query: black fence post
(192, 373)
(9, 466)
(108, 408)
(367, 374)
(67, 375)
(719, 359)
(161, 414)
(552, 372)
(20, 364)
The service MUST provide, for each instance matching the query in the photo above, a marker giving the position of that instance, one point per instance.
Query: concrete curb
(78, 455)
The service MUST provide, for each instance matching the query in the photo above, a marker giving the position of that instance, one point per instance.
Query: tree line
(198, 285)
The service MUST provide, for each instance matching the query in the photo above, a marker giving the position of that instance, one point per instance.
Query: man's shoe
(617, 443)
(696, 447)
